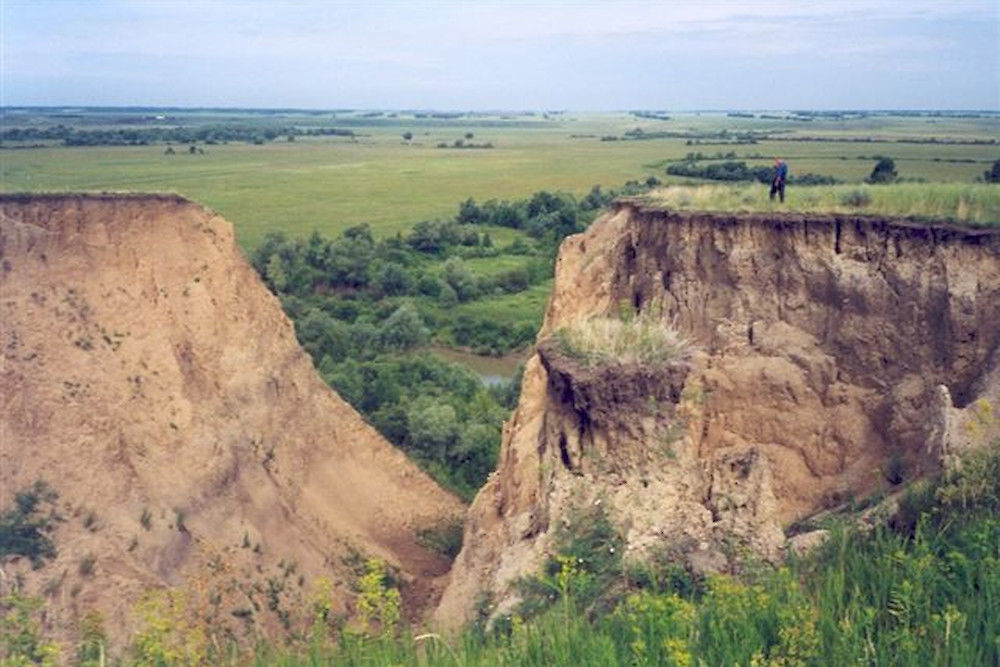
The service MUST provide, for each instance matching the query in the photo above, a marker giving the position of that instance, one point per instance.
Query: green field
(511, 306)
(330, 183)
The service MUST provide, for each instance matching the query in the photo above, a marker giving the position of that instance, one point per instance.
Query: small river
(493, 370)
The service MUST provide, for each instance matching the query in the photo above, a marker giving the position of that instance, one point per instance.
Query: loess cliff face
(154, 382)
(835, 355)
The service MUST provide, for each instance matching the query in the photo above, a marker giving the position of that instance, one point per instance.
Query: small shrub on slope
(26, 527)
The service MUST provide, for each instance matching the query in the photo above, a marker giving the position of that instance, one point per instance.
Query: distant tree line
(754, 136)
(732, 170)
(652, 115)
(900, 140)
(209, 134)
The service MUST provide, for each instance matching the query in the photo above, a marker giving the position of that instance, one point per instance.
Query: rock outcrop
(152, 380)
(835, 356)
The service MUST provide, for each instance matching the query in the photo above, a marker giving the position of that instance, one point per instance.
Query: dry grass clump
(646, 340)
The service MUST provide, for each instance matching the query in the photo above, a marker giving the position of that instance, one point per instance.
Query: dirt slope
(149, 376)
(834, 354)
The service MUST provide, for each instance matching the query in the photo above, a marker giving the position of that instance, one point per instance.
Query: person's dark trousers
(779, 187)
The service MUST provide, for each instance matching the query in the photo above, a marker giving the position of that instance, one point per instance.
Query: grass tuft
(646, 340)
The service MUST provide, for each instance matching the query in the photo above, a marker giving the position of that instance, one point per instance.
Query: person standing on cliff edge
(778, 180)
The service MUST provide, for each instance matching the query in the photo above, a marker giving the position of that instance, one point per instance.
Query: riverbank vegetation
(366, 310)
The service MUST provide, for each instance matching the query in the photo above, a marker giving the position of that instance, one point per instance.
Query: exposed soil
(837, 356)
(153, 381)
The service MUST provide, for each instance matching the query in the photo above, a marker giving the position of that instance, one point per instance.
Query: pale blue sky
(707, 54)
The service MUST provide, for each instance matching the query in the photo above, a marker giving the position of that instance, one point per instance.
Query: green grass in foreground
(968, 203)
(922, 589)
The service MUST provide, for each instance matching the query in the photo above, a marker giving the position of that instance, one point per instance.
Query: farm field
(327, 184)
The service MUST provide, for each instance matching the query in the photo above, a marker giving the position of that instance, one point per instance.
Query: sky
(463, 54)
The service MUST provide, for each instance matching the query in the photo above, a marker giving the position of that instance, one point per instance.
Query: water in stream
(493, 370)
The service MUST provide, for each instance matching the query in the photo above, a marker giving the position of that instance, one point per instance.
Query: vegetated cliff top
(153, 381)
(966, 204)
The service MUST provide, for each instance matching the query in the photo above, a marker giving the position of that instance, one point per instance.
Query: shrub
(587, 561)
(992, 175)
(858, 198)
(378, 601)
(93, 638)
(26, 527)
(976, 482)
(87, 564)
(21, 641)
(169, 632)
(884, 171)
(444, 537)
(403, 329)
(658, 629)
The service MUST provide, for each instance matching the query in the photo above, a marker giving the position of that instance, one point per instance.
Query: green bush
(884, 171)
(992, 175)
(25, 528)
(444, 537)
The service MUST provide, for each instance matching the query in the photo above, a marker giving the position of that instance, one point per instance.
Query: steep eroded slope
(154, 382)
(835, 355)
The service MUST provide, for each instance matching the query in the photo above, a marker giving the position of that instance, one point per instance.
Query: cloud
(410, 53)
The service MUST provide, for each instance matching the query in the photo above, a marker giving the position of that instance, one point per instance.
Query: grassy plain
(330, 183)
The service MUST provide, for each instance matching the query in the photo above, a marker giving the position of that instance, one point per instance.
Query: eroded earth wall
(832, 354)
(152, 380)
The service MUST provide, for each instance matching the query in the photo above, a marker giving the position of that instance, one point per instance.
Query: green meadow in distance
(330, 183)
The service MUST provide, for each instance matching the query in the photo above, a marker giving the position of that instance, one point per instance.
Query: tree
(433, 428)
(470, 213)
(460, 278)
(393, 280)
(469, 135)
(447, 296)
(884, 171)
(323, 336)
(403, 329)
(276, 274)
(407, 136)
(992, 175)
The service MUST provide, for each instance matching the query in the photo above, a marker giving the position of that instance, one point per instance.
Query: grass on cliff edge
(968, 203)
(646, 340)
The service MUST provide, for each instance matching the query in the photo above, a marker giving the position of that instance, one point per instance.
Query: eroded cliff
(835, 357)
(150, 378)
